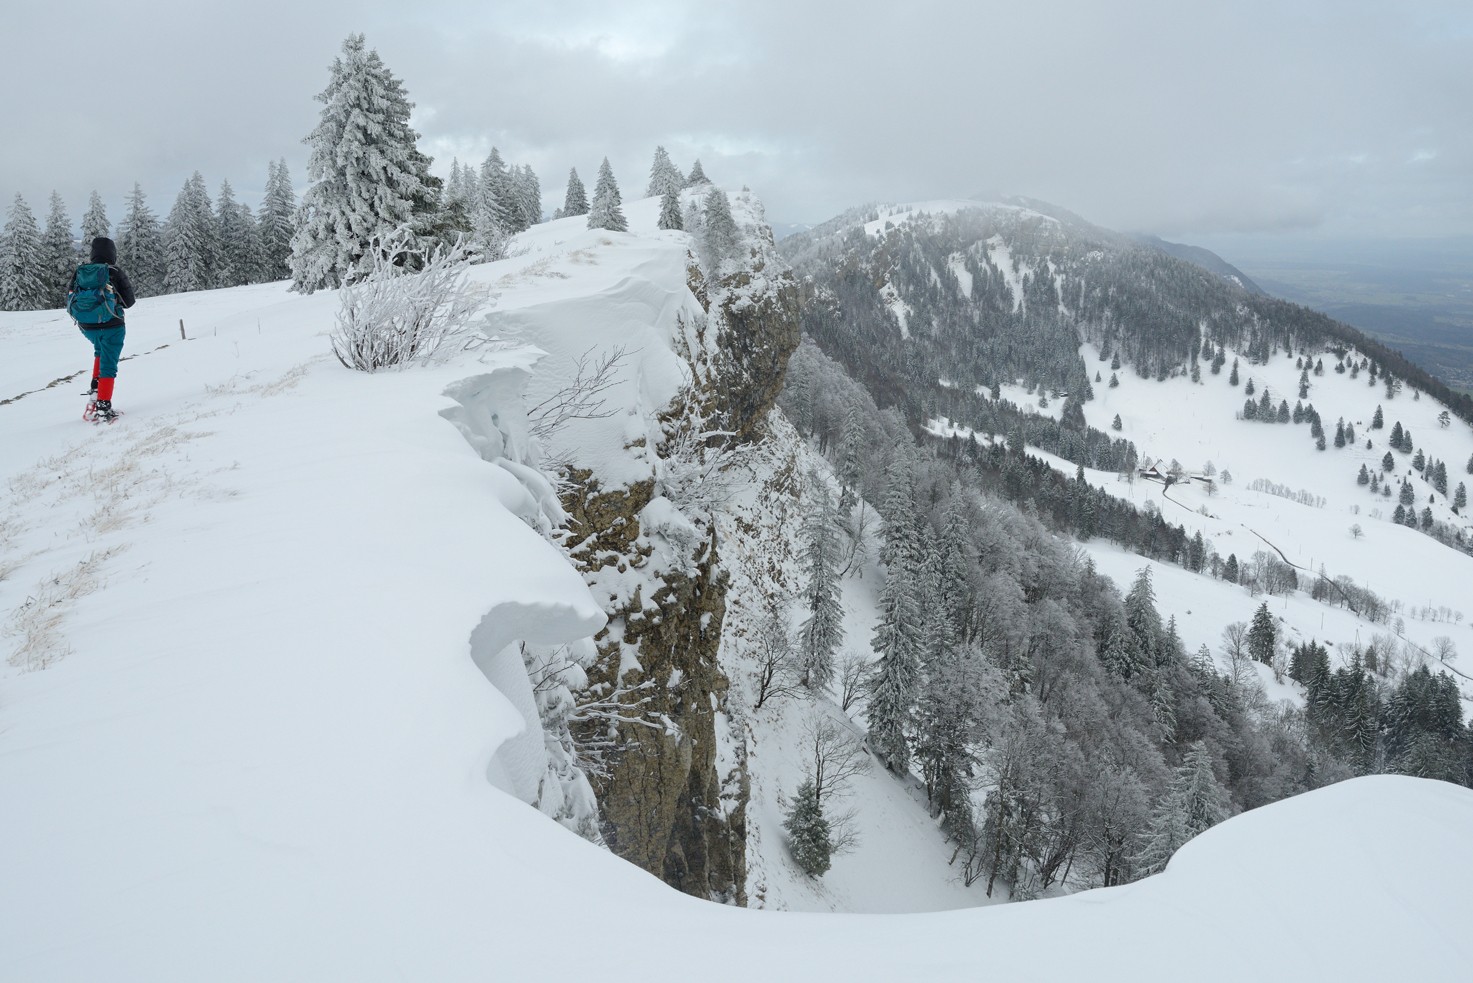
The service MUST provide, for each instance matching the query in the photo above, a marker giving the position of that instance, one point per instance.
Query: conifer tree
(1141, 617)
(575, 200)
(1230, 569)
(94, 222)
(24, 283)
(491, 212)
(232, 235)
(1388, 463)
(58, 253)
(809, 835)
(190, 240)
(1262, 635)
(670, 211)
(1233, 375)
(896, 677)
(822, 631)
(605, 211)
(527, 192)
(1460, 497)
(1194, 803)
(277, 223)
(720, 235)
(1364, 478)
(851, 459)
(697, 175)
(141, 245)
(664, 176)
(1395, 438)
(366, 176)
(1376, 421)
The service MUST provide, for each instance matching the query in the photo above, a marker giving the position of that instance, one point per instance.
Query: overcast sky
(1333, 118)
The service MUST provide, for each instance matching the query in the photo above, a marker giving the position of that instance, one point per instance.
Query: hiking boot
(105, 412)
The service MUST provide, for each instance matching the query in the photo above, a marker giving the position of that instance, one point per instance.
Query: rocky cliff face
(668, 763)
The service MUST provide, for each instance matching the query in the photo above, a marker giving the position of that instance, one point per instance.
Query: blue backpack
(92, 300)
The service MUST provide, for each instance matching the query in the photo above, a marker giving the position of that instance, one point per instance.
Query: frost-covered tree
(365, 172)
(605, 212)
(277, 223)
(720, 235)
(190, 240)
(897, 642)
(141, 245)
(1141, 616)
(697, 175)
(575, 199)
(822, 630)
(94, 222)
(24, 281)
(664, 176)
(491, 211)
(808, 832)
(1195, 802)
(58, 252)
(1460, 497)
(526, 193)
(237, 252)
(851, 459)
(670, 217)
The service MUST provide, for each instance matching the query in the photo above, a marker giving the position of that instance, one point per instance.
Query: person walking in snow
(100, 293)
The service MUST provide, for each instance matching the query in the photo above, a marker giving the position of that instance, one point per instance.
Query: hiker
(100, 292)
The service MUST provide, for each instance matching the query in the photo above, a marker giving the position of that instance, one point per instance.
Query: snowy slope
(1194, 423)
(260, 714)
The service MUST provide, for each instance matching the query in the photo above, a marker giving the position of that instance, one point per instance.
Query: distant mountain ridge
(1204, 258)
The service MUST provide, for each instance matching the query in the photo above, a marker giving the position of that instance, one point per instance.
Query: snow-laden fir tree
(491, 214)
(94, 222)
(697, 175)
(1194, 803)
(233, 236)
(809, 836)
(58, 252)
(822, 630)
(670, 217)
(575, 199)
(141, 245)
(253, 256)
(1141, 617)
(719, 233)
(277, 223)
(190, 240)
(24, 280)
(664, 176)
(898, 636)
(366, 176)
(527, 196)
(851, 459)
(605, 212)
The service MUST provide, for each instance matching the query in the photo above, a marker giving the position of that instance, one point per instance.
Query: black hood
(104, 250)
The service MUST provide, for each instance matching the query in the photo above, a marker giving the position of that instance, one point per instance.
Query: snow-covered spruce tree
(527, 195)
(95, 222)
(1195, 802)
(1141, 617)
(719, 233)
(605, 212)
(491, 208)
(670, 217)
(822, 631)
(410, 302)
(896, 675)
(808, 832)
(664, 176)
(58, 253)
(233, 267)
(697, 175)
(253, 257)
(366, 175)
(851, 459)
(190, 240)
(24, 283)
(575, 199)
(277, 223)
(141, 245)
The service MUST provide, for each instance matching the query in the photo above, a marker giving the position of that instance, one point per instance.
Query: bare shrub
(413, 304)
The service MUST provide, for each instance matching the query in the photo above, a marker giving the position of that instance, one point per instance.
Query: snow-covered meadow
(263, 714)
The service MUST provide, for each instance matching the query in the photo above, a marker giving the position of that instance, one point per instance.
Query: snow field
(265, 746)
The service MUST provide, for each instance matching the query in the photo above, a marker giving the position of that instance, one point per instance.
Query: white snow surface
(260, 714)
